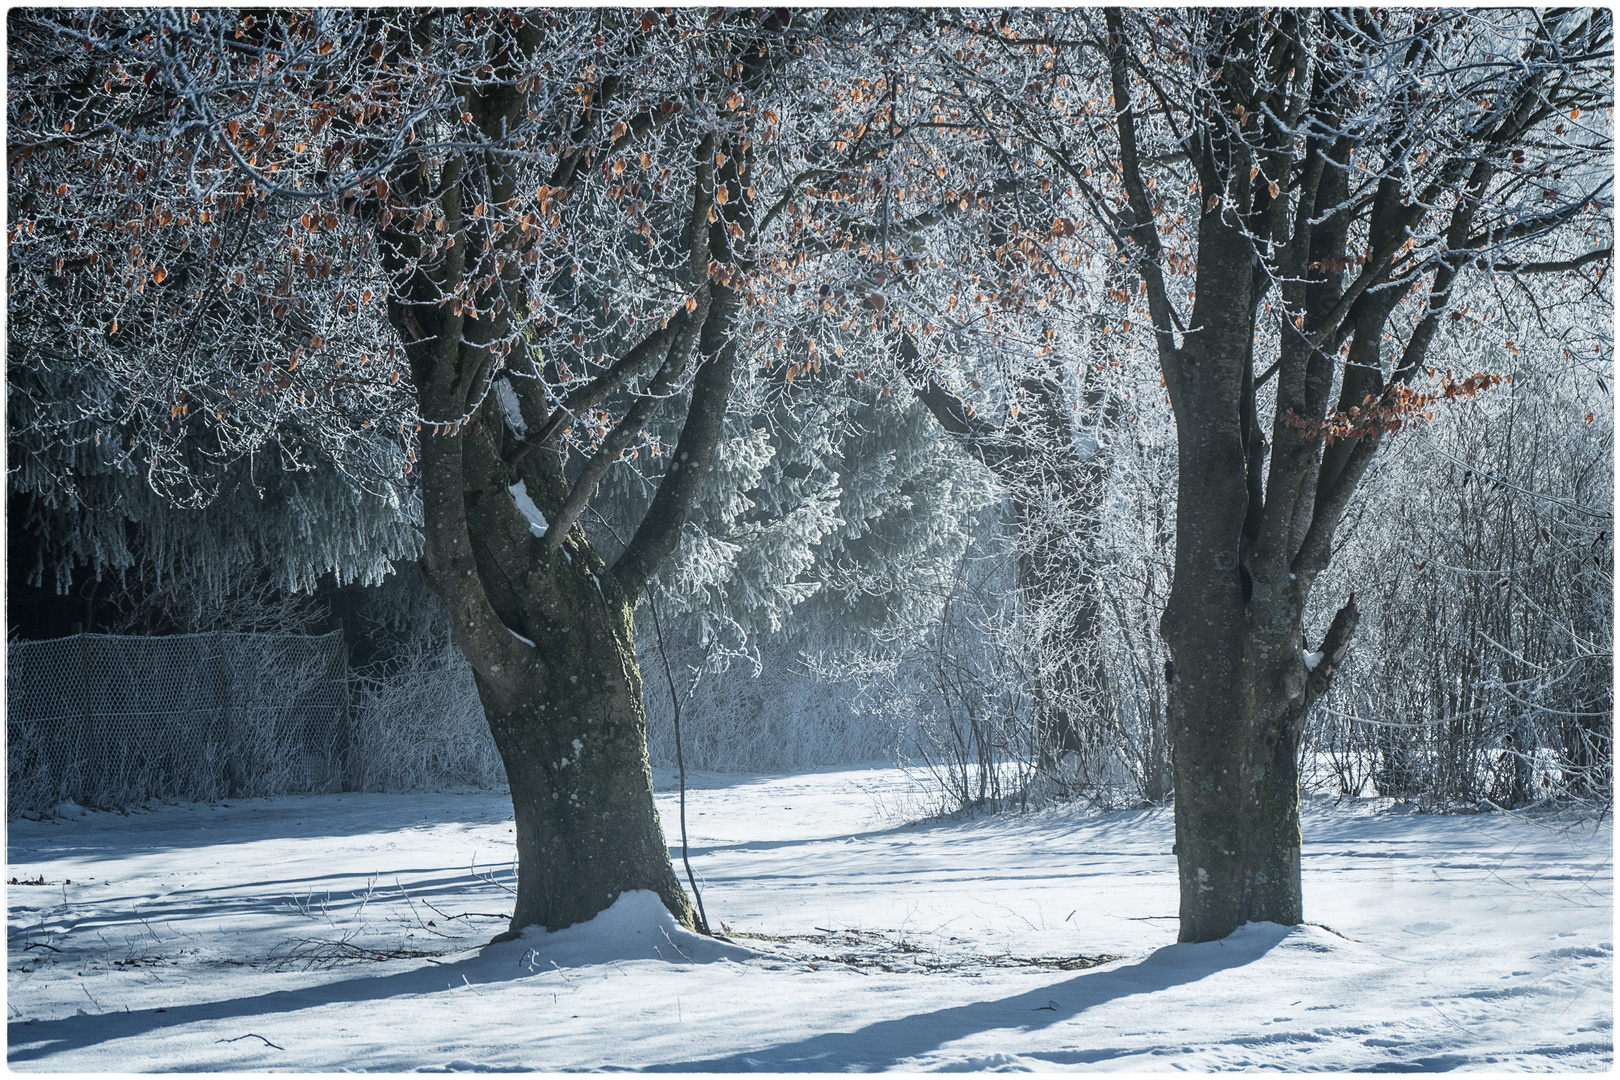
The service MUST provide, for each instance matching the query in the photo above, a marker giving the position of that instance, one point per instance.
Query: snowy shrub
(417, 725)
(1482, 671)
(962, 699)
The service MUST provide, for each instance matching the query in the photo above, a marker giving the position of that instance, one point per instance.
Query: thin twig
(465, 914)
(251, 1035)
(680, 759)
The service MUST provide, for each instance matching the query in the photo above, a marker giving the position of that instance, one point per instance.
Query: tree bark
(544, 621)
(571, 730)
(1250, 540)
(549, 635)
(1236, 693)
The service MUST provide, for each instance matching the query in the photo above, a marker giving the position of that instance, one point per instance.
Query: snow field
(347, 932)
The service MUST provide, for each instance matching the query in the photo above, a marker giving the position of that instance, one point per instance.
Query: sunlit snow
(349, 931)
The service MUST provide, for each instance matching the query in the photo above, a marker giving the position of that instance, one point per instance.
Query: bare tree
(1314, 185)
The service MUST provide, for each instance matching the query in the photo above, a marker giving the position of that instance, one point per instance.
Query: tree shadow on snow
(183, 827)
(1122, 827)
(889, 1043)
(338, 895)
(879, 1045)
(491, 964)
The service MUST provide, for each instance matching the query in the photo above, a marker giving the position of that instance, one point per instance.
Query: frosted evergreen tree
(830, 524)
(118, 469)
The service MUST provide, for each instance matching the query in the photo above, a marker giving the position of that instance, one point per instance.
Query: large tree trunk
(572, 734)
(1238, 702)
(1239, 681)
(1290, 214)
(549, 637)
(548, 631)
(544, 621)
(1250, 540)
(1235, 724)
(1235, 676)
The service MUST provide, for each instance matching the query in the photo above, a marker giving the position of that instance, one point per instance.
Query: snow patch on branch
(509, 407)
(531, 513)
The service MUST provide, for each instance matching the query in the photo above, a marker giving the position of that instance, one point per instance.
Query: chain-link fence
(109, 721)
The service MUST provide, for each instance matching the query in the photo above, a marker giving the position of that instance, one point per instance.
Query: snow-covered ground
(347, 932)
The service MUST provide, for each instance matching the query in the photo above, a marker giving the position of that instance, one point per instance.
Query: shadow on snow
(878, 1045)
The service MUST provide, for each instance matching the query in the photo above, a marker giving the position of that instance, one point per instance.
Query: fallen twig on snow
(251, 1035)
(309, 953)
(465, 914)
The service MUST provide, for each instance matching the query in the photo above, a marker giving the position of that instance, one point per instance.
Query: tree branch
(659, 533)
(979, 437)
(1332, 650)
(675, 362)
(1142, 231)
(1554, 266)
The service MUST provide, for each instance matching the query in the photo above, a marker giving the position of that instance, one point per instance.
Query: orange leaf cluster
(1397, 406)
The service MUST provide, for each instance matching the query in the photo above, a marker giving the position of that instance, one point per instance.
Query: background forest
(939, 522)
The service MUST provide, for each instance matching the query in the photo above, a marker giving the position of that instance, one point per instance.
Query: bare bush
(418, 725)
(1484, 673)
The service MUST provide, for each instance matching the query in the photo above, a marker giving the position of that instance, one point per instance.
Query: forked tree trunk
(549, 634)
(1291, 215)
(544, 621)
(549, 637)
(1240, 681)
(1249, 544)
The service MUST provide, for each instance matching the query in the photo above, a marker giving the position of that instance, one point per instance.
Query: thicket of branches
(943, 289)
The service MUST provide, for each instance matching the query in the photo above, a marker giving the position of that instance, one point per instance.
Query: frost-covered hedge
(418, 725)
